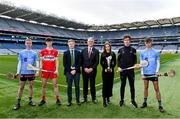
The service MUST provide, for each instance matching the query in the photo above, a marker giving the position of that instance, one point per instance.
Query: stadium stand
(170, 48)
(178, 50)
(164, 32)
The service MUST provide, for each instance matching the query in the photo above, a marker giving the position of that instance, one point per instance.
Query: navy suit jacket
(91, 62)
(67, 61)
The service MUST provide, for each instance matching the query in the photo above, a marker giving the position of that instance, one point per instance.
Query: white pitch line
(57, 84)
(65, 86)
(88, 88)
(73, 86)
(101, 83)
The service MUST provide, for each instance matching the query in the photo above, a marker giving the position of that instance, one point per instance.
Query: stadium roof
(40, 17)
(29, 15)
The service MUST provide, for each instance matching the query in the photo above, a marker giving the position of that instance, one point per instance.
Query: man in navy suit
(90, 61)
(72, 62)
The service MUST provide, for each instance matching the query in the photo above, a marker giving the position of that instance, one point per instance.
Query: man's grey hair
(91, 38)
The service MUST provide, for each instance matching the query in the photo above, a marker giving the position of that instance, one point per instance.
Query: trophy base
(108, 70)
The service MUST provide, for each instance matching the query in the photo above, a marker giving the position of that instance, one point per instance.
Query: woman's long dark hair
(104, 49)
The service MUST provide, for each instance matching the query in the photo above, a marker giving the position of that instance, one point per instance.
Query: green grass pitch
(169, 92)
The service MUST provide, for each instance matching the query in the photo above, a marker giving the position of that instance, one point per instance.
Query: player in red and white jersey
(49, 61)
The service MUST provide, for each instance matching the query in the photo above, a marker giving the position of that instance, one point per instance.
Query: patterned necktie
(89, 52)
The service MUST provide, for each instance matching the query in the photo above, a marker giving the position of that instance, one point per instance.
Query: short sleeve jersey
(48, 57)
(27, 57)
(151, 55)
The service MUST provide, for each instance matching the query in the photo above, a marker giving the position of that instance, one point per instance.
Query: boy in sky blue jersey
(25, 57)
(151, 71)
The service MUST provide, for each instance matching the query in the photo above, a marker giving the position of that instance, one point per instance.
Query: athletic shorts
(150, 78)
(25, 77)
(47, 75)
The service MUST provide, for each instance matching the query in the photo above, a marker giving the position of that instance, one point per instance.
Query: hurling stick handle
(126, 69)
(47, 71)
(2, 74)
(131, 67)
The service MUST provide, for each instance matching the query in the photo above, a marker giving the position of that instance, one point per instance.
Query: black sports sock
(159, 103)
(19, 100)
(145, 100)
(30, 99)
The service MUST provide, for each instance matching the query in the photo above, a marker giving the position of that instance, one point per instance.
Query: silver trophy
(109, 64)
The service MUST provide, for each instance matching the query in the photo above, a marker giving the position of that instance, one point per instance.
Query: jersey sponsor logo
(49, 58)
(25, 59)
(28, 59)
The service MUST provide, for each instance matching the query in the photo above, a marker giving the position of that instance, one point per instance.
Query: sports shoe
(85, 100)
(58, 102)
(144, 105)
(42, 102)
(32, 104)
(161, 109)
(121, 103)
(134, 104)
(16, 107)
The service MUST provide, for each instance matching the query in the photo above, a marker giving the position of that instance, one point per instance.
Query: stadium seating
(158, 47)
(178, 51)
(61, 34)
(170, 48)
(19, 26)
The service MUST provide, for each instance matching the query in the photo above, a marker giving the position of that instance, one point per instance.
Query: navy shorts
(153, 78)
(25, 77)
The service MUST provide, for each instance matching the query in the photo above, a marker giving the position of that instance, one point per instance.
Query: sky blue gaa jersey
(27, 57)
(151, 55)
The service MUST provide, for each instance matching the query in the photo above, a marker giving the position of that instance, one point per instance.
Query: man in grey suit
(90, 61)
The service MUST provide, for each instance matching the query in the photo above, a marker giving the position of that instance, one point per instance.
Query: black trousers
(107, 79)
(123, 76)
(92, 78)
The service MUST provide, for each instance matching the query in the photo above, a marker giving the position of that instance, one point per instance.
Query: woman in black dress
(108, 62)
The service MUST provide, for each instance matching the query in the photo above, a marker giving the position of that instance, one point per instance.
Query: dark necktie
(72, 58)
